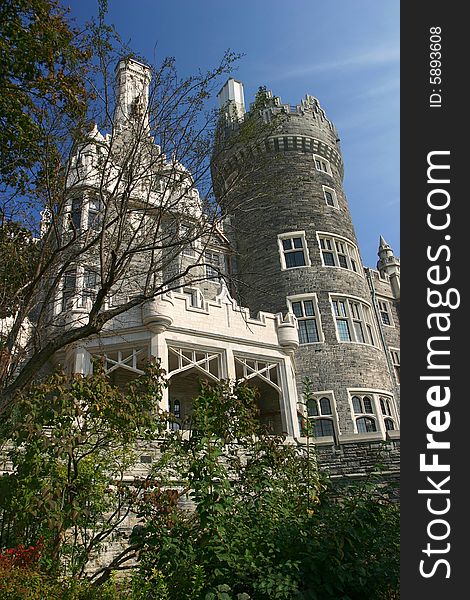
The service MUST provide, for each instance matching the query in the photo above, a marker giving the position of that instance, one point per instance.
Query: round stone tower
(296, 250)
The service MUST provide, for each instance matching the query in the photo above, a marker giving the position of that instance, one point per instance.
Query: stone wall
(295, 202)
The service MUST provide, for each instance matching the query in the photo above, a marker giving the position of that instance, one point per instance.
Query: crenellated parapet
(176, 311)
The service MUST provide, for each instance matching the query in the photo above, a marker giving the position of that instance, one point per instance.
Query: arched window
(317, 408)
(325, 406)
(369, 417)
(385, 406)
(175, 410)
(312, 408)
(367, 403)
(362, 405)
(366, 425)
(357, 405)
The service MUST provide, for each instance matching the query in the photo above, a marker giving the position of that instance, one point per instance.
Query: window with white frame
(370, 407)
(364, 414)
(321, 164)
(306, 311)
(385, 312)
(353, 321)
(293, 250)
(90, 285)
(69, 286)
(330, 196)
(395, 356)
(214, 264)
(194, 296)
(386, 409)
(320, 415)
(338, 252)
(94, 214)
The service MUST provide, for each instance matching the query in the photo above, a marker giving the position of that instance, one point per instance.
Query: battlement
(309, 105)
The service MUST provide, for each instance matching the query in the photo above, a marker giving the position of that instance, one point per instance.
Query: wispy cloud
(381, 55)
(384, 88)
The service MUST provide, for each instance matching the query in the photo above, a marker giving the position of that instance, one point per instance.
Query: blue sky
(344, 52)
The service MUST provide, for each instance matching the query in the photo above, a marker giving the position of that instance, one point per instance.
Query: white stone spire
(389, 264)
(132, 93)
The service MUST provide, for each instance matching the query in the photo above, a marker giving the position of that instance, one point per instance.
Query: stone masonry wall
(296, 203)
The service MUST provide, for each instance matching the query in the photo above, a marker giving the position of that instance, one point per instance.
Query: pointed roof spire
(383, 243)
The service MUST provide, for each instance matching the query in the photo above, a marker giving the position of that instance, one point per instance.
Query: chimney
(232, 100)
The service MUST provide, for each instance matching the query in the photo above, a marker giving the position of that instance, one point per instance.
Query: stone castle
(281, 293)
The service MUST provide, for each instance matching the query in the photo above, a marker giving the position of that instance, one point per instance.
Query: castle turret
(132, 93)
(389, 265)
(297, 252)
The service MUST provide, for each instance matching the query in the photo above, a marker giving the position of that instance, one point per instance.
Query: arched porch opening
(264, 376)
(269, 405)
(186, 369)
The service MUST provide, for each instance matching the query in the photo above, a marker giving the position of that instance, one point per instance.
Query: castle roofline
(129, 59)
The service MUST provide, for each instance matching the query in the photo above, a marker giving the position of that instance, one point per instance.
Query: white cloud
(381, 55)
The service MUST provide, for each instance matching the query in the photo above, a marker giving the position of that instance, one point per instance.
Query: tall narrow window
(384, 309)
(357, 321)
(76, 214)
(307, 320)
(321, 164)
(386, 408)
(341, 250)
(90, 284)
(293, 250)
(69, 287)
(327, 252)
(342, 322)
(94, 214)
(187, 241)
(330, 196)
(395, 355)
(175, 412)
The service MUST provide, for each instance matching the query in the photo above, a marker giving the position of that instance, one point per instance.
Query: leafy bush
(18, 583)
(71, 441)
(266, 524)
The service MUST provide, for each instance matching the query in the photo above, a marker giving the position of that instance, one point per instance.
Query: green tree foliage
(41, 68)
(29, 584)
(71, 441)
(265, 524)
(18, 256)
